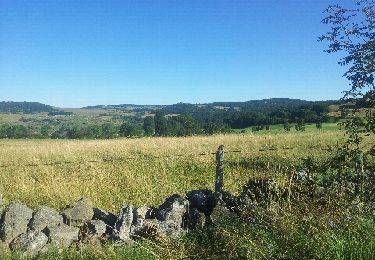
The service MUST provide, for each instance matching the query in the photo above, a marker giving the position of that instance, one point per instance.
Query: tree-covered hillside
(24, 107)
(181, 119)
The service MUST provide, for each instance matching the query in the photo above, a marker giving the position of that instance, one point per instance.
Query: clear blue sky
(76, 53)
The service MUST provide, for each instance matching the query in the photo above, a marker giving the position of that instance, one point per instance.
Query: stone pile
(32, 232)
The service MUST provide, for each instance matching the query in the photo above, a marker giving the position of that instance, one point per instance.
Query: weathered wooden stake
(219, 182)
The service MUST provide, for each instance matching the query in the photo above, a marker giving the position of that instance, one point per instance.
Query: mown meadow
(147, 170)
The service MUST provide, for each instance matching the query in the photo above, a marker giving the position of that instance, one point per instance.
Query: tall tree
(352, 32)
(161, 125)
(149, 126)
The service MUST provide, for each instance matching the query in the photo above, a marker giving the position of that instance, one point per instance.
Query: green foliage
(300, 126)
(352, 33)
(128, 130)
(161, 126)
(149, 126)
(109, 131)
(319, 125)
(286, 126)
(13, 131)
(214, 127)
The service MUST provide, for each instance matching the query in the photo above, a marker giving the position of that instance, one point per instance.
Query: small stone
(44, 217)
(62, 235)
(16, 217)
(123, 224)
(107, 217)
(78, 213)
(29, 243)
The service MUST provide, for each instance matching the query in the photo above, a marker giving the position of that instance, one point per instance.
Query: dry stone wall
(32, 232)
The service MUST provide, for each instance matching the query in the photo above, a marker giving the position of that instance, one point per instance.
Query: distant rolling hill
(24, 107)
(263, 104)
(255, 105)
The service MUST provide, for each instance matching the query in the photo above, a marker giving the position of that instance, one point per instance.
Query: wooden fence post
(219, 172)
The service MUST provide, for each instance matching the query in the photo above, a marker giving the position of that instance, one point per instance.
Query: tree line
(180, 120)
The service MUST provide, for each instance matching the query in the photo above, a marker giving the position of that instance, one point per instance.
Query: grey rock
(123, 224)
(62, 235)
(171, 214)
(44, 217)
(194, 219)
(107, 217)
(16, 217)
(150, 228)
(29, 243)
(95, 228)
(139, 215)
(204, 201)
(78, 213)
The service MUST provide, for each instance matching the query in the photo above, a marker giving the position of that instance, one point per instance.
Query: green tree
(161, 125)
(286, 126)
(4, 131)
(74, 132)
(127, 130)
(149, 126)
(300, 126)
(318, 125)
(44, 131)
(175, 127)
(108, 131)
(352, 32)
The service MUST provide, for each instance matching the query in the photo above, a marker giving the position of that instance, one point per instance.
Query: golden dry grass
(141, 180)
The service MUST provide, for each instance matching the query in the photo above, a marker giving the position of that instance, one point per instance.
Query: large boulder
(30, 243)
(204, 201)
(16, 217)
(62, 235)
(44, 217)
(123, 223)
(78, 213)
(171, 215)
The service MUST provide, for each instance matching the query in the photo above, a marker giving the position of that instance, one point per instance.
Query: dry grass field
(138, 171)
(147, 170)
